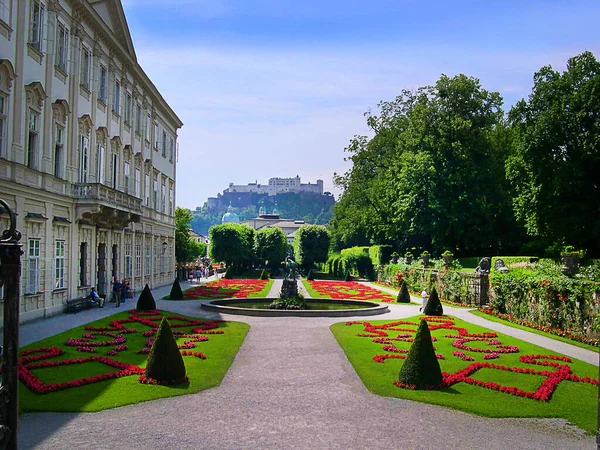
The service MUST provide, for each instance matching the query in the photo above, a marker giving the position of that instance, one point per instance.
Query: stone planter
(408, 259)
(447, 260)
(425, 260)
(570, 264)
(394, 260)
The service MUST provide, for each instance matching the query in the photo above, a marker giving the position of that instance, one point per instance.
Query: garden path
(290, 386)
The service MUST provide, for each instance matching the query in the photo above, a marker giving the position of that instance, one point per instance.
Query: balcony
(105, 207)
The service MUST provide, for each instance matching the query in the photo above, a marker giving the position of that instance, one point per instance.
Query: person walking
(124, 291)
(424, 296)
(117, 287)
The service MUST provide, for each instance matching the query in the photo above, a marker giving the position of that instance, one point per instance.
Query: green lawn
(224, 288)
(533, 330)
(220, 350)
(379, 377)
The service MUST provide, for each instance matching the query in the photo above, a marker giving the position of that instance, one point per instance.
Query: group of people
(201, 272)
(120, 292)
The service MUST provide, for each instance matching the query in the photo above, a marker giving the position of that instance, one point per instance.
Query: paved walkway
(290, 386)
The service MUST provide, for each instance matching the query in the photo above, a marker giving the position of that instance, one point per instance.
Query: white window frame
(128, 108)
(116, 106)
(148, 129)
(138, 260)
(59, 264)
(163, 197)
(84, 158)
(62, 47)
(156, 199)
(138, 118)
(126, 176)
(156, 136)
(86, 64)
(137, 174)
(3, 123)
(33, 139)
(102, 84)
(59, 151)
(101, 164)
(33, 266)
(128, 262)
(4, 17)
(148, 259)
(36, 24)
(147, 189)
(170, 200)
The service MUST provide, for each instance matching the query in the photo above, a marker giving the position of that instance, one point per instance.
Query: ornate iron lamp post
(10, 273)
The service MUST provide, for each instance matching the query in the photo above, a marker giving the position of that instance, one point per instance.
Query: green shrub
(470, 263)
(348, 277)
(146, 301)
(380, 254)
(176, 292)
(421, 368)
(433, 307)
(310, 275)
(264, 275)
(508, 260)
(358, 262)
(403, 295)
(229, 273)
(165, 363)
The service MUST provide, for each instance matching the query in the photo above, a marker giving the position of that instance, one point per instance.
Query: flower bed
(229, 288)
(347, 290)
(58, 369)
(508, 385)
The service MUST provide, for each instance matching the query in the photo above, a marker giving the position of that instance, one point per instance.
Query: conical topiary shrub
(264, 275)
(176, 292)
(310, 275)
(433, 306)
(348, 276)
(228, 273)
(421, 368)
(403, 295)
(146, 301)
(165, 364)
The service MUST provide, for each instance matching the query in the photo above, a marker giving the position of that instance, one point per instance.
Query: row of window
(163, 260)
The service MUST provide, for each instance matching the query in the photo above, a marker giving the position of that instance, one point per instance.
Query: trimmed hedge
(403, 295)
(421, 368)
(176, 292)
(146, 301)
(433, 307)
(380, 254)
(165, 363)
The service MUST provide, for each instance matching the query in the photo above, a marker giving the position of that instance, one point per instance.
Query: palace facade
(87, 153)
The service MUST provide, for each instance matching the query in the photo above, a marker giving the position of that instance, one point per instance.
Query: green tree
(271, 245)
(233, 244)
(555, 167)
(432, 176)
(311, 245)
(186, 248)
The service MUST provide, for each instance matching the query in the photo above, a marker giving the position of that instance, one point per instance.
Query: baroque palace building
(87, 149)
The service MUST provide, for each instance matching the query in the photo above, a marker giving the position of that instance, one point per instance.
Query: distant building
(288, 226)
(198, 237)
(230, 216)
(277, 186)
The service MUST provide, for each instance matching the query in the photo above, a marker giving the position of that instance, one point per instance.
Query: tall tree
(271, 246)
(311, 245)
(557, 160)
(233, 244)
(186, 248)
(432, 175)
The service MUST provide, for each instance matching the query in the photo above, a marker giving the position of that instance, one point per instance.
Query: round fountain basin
(316, 308)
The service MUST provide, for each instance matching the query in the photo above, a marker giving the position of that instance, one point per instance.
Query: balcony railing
(104, 194)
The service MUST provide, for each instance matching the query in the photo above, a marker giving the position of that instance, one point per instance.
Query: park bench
(80, 303)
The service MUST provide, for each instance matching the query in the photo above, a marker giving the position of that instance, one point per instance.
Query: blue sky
(271, 88)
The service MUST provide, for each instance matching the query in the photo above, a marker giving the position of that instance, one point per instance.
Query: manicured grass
(232, 288)
(574, 401)
(220, 351)
(349, 290)
(533, 330)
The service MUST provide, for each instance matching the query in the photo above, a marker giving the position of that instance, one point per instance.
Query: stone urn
(447, 260)
(570, 264)
(394, 259)
(425, 259)
(408, 258)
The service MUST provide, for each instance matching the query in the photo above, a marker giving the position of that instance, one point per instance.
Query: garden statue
(499, 266)
(483, 267)
(290, 269)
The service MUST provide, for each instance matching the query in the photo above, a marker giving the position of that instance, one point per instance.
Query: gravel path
(290, 386)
